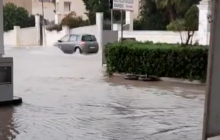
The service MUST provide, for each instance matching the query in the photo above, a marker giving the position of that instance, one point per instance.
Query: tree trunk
(171, 14)
(181, 38)
(189, 37)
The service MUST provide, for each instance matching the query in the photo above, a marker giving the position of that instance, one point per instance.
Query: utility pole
(43, 24)
(121, 25)
(112, 19)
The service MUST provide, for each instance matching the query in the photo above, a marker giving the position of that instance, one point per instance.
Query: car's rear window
(88, 38)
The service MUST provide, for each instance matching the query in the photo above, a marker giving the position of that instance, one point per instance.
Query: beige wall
(48, 9)
(27, 4)
(76, 5)
(34, 7)
(79, 8)
(37, 3)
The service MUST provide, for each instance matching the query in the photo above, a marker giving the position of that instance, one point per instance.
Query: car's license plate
(92, 47)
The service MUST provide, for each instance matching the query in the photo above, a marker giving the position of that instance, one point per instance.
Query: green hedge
(162, 60)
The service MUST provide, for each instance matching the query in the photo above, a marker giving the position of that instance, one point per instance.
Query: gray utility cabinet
(6, 79)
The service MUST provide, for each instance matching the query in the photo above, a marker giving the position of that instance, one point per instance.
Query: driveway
(66, 97)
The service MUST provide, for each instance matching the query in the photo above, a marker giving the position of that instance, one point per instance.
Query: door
(71, 44)
(91, 44)
(62, 43)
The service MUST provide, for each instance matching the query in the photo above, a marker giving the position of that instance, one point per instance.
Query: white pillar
(44, 36)
(99, 24)
(16, 35)
(57, 18)
(129, 19)
(99, 36)
(1, 30)
(66, 30)
(204, 25)
(212, 111)
(37, 26)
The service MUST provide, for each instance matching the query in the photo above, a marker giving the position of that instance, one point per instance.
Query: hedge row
(162, 60)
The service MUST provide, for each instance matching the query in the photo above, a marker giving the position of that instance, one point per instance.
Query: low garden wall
(157, 59)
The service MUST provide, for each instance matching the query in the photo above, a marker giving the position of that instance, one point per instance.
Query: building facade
(66, 6)
(63, 7)
(27, 4)
(48, 8)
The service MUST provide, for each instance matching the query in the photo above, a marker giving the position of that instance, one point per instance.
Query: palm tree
(173, 6)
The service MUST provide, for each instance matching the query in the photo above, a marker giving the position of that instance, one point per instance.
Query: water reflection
(7, 130)
(181, 89)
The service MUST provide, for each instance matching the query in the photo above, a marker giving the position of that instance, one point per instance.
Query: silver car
(82, 43)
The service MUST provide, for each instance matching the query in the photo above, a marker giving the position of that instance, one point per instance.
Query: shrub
(189, 24)
(162, 60)
(16, 16)
(31, 21)
(72, 21)
(138, 24)
(56, 27)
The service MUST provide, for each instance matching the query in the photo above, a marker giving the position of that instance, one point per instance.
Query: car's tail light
(82, 43)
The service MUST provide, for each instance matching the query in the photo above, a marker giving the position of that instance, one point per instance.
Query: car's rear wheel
(78, 50)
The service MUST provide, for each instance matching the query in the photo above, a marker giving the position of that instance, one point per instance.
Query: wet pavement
(66, 97)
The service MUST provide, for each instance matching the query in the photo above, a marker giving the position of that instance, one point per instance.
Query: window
(67, 6)
(78, 38)
(73, 38)
(93, 38)
(88, 38)
(65, 38)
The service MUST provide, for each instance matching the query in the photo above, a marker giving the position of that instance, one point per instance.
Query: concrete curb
(167, 79)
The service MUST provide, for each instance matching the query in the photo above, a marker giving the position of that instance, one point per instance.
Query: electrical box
(6, 79)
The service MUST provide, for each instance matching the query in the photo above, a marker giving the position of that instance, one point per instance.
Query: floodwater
(66, 97)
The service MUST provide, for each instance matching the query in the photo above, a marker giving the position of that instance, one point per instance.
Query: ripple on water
(66, 97)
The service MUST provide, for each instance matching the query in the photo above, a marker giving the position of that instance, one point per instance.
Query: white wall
(156, 36)
(9, 38)
(28, 36)
(53, 36)
(21, 37)
(85, 30)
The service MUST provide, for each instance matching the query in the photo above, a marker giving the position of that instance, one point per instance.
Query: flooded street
(66, 97)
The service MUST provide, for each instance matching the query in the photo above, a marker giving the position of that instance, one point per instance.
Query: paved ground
(66, 97)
